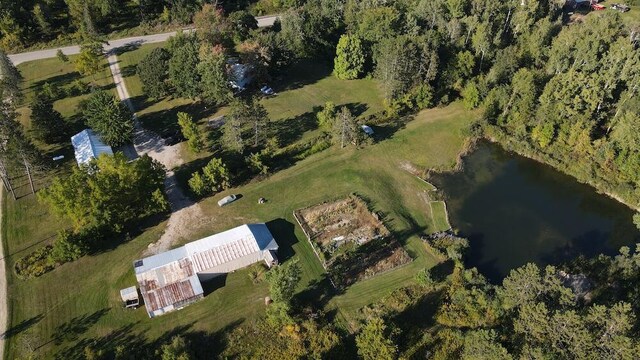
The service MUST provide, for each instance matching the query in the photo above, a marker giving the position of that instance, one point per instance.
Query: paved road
(113, 44)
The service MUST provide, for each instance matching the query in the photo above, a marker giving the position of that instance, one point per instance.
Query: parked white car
(367, 130)
(227, 200)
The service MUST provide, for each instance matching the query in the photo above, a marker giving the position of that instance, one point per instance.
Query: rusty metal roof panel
(172, 294)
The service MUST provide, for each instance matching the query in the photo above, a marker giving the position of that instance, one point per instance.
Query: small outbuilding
(88, 145)
(130, 297)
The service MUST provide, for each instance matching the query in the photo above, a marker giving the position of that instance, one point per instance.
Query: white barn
(172, 280)
(88, 145)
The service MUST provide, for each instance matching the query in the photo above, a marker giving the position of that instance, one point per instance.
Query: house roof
(88, 145)
(240, 75)
(170, 278)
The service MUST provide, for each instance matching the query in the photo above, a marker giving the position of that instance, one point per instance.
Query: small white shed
(130, 297)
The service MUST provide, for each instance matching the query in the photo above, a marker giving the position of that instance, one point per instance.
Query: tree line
(29, 22)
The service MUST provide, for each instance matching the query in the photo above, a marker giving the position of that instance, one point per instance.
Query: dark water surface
(514, 210)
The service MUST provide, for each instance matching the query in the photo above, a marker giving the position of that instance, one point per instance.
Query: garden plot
(351, 241)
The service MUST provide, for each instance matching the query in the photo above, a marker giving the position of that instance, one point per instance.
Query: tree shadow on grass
(303, 73)
(165, 122)
(317, 294)
(123, 337)
(126, 343)
(57, 80)
(288, 131)
(129, 70)
(72, 329)
(22, 326)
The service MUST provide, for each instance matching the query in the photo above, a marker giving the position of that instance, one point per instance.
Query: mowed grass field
(78, 303)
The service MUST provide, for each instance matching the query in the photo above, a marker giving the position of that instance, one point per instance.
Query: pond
(515, 210)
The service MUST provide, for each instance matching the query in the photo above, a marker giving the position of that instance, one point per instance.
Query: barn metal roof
(88, 145)
(170, 278)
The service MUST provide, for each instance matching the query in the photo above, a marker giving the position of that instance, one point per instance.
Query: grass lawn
(439, 214)
(58, 312)
(630, 17)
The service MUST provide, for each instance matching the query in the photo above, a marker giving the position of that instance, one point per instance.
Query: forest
(558, 87)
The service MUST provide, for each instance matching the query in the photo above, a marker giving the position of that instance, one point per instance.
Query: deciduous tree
(191, 132)
(373, 341)
(89, 62)
(117, 190)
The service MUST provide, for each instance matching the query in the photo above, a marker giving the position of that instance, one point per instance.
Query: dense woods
(27, 23)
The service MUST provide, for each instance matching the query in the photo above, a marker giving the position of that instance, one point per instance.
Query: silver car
(227, 200)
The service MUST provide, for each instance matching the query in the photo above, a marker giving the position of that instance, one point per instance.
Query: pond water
(515, 210)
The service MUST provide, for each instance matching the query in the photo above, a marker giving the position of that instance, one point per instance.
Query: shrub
(35, 264)
(69, 246)
(257, 273)
(191, 132)
(61, 56)
(216, 175)
(76, 88)
(471, 96)
(256, 161)
(197, 184)
(50, 91)
(423, 278)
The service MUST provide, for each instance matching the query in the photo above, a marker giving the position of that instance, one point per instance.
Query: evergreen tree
(350, 60)
(109, 117)
(213, 75)
(153, 71)
(183, 66)
(47, 124)
(9, 79)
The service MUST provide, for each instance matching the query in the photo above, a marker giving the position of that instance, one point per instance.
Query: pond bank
(515, 210)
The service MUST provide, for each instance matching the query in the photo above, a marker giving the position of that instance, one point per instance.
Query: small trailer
(130, 298)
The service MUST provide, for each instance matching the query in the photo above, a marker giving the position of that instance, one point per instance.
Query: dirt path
(184, 212)
(4, 303)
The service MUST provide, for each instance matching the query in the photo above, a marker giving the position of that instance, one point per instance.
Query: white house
(172, 280)
(88, 145)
